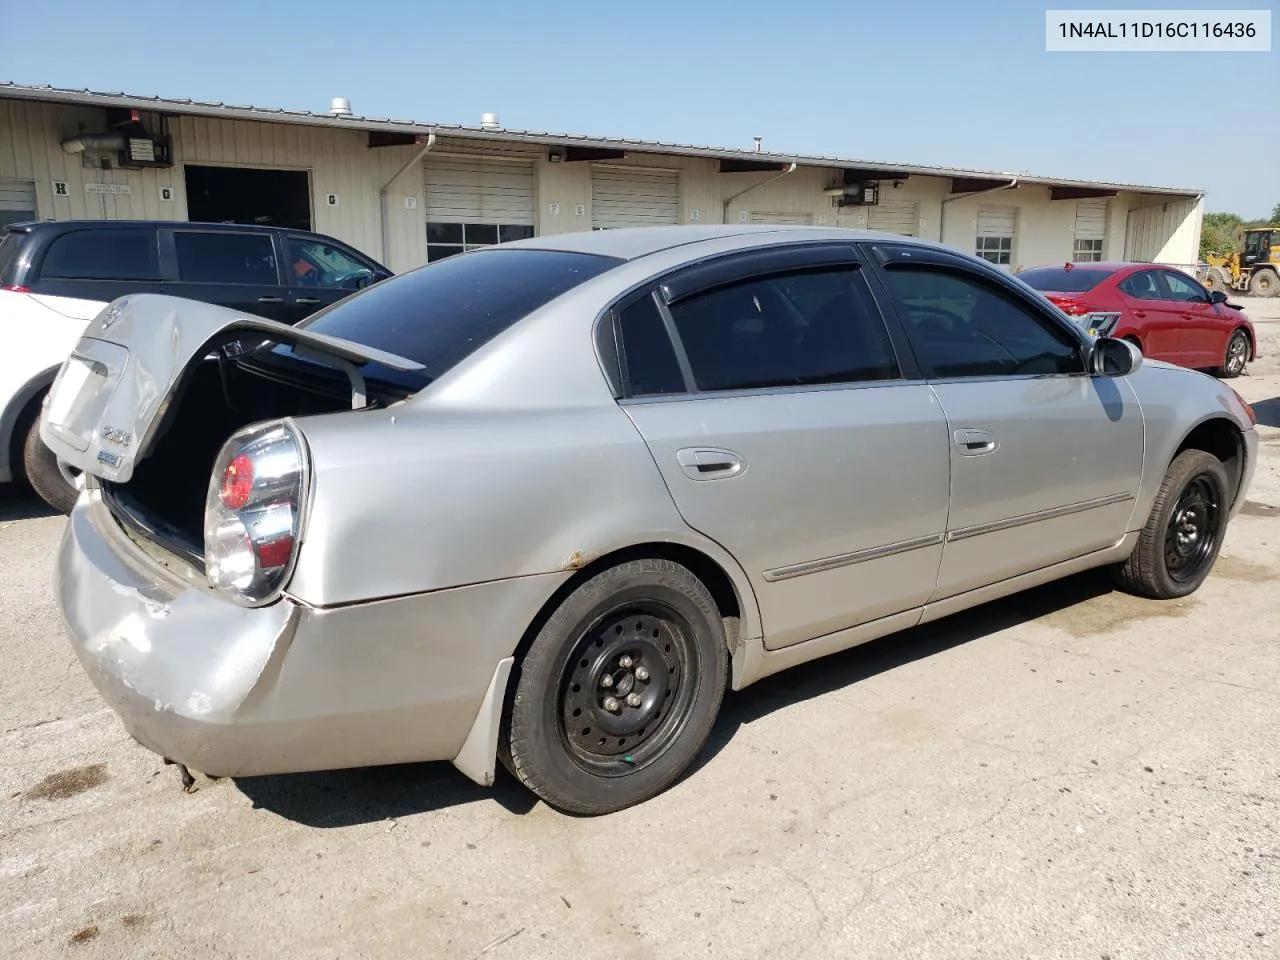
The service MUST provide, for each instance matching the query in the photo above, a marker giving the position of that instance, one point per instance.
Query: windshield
(1062, 279)
(439, 314)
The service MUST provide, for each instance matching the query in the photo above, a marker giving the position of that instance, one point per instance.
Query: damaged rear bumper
(232, 691)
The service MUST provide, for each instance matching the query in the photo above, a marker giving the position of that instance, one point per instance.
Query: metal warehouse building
(407, 193)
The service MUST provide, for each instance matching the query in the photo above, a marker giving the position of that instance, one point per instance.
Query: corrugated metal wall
(1164, 232)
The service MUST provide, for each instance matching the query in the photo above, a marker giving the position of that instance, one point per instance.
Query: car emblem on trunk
(112, 314)
(119, 437)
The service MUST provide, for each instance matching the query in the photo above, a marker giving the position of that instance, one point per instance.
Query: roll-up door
(17, 201)
(476, 202)
(893, 216)
(1091, 230)
(765, 217)
(622, 197)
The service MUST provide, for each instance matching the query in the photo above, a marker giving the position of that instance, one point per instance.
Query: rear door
(1156, 321)
(770, 391)
(1045, 459)
(321, 272)
(234, 269)
(98, 264)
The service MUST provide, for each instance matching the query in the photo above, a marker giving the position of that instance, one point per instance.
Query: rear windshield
(439, 314)
(1062, 280)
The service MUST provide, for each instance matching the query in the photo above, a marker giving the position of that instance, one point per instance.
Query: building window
(446, 239)
(1087, 251)
(997, 250)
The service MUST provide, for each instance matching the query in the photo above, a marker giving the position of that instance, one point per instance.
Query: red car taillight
(252, 516)
(14, 289)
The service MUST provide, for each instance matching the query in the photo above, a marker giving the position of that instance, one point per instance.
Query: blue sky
(930, 81)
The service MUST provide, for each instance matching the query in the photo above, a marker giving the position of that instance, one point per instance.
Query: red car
(1165, 312)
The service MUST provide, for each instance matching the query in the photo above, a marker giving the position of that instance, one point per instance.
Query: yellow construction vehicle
(1255, 267)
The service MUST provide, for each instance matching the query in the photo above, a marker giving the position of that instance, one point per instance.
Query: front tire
(1180, 542)
(619, 690)
(1236, 356)
(46, 476)
(1264, 283)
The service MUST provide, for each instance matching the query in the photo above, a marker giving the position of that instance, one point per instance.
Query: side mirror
(1217, 296)
(1114, 358)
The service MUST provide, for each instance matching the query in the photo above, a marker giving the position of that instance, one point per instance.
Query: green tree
(1220, 233)
(1275, 213)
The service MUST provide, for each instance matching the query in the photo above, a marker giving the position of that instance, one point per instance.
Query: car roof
(59, 226)
(630, 243)
(1110, 266)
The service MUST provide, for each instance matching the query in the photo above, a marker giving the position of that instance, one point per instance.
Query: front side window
(808, 327)
(964, 327)
(446, 239)
(315, 263)
(226, 258)
(1183, 289)
(103, 255)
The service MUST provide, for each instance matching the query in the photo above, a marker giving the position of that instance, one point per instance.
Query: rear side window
(439, 314)
(1143, 285)
(809, 327)
(123, 254)
(226, 258)
(1063, 280)
(962, 327)
(650, 359)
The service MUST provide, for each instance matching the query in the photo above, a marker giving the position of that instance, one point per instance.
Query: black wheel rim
(1236, 350)
(627, 690)
(1191, 537)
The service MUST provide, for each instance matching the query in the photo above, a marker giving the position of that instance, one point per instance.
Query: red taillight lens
(1074, 309)
(237, 481)
(13, 289)
(252, 513)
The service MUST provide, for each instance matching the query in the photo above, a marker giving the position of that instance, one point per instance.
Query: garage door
(474, 203)
(17, 201)
(634, 198)
(893, 216)
(758, 216)
(994, 242)
(1091, 230)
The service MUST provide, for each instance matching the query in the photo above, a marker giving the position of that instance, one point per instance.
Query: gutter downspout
(382, 195)
(724, 216)
(942, 216)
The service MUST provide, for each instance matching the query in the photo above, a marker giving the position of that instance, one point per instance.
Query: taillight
(15, 289)
(1075, 309)
(252, 516)
(1248, 407)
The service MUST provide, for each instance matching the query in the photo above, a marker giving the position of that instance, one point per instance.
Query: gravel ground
(1069, 773)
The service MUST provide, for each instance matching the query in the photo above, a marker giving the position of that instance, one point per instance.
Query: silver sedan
(546, 502)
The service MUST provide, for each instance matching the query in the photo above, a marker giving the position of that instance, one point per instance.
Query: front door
(229, 268)
(321, 272)
(789, 434)
(1045, 459)
(1201, 329)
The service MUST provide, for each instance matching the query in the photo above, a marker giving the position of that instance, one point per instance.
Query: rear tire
(619, 690)
(43, 472)
(1180, 542)
(1264, 283)
(1236, 356)
(1136, 342)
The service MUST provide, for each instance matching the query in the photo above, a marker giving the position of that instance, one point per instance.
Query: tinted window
(1062, 280)
(1144, 285)
(650, 359)
(439, 314)
(315, 263)
(1183, 289)
(11, 245)
(225, 258)
(102, 255)
(811, 327)
(964, 328)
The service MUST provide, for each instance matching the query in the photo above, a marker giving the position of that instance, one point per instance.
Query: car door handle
(307, 300)
(709, 463)
(1139, 313)
(975, 443)
(1188, 316)
(270, 300)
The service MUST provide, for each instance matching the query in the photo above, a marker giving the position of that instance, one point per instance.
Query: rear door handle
(709, 463)
(307, 300)
(1139, 313)
(975, 443)
(270, 300)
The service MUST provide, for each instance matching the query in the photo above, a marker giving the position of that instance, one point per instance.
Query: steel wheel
(1191, 536)
(622, 696)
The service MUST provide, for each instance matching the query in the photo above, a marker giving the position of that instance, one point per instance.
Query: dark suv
(56, 276)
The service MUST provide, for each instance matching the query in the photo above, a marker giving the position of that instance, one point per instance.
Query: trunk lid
(112, 391)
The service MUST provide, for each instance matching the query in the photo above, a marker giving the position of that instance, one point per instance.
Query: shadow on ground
(21, 503)
(346, 798)
(1268, 412)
